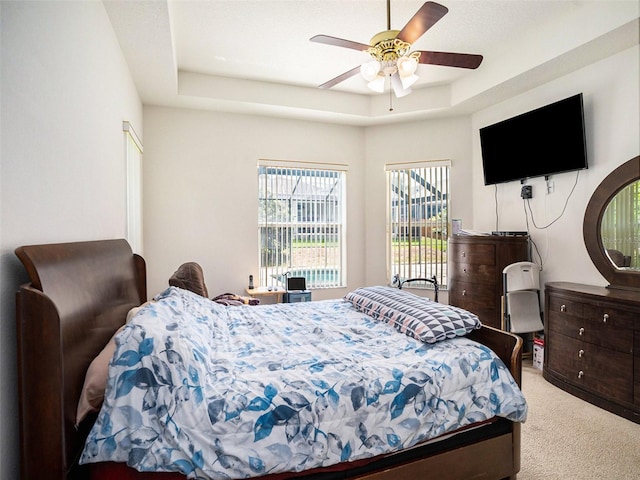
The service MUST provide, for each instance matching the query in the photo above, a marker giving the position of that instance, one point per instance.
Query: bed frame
(80, 293)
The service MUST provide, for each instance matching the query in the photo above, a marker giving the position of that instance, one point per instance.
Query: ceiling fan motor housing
(385, 47)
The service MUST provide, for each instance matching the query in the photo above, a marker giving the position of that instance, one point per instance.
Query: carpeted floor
(567, 438)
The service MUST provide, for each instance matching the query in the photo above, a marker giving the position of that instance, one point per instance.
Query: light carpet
(565, 437)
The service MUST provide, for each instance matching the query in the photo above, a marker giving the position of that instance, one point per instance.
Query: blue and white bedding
(233, 392)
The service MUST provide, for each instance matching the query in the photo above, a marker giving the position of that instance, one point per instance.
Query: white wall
(200, 184)
(612, 117)
(65, 91)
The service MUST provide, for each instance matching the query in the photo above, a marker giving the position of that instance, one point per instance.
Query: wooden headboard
(78, 295)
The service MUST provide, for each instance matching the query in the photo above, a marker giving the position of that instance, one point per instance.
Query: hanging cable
(495, 200)
(563, 208)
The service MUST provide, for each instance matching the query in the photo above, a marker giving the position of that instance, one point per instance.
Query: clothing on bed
(229, 392)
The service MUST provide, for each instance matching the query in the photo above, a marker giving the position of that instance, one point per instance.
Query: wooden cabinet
(475, 272)
(636, 368)
(592, 344)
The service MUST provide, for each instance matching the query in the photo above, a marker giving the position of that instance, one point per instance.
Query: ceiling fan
(392, 56)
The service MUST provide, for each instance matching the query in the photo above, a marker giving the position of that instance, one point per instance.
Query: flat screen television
(542, 142)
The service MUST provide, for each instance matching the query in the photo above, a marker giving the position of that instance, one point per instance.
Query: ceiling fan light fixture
(407, 66)
(377, 85)
(388, 67)
(408, 80)
(369, 70)
(398, 88)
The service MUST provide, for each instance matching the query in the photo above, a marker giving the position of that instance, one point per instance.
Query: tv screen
(541, 142)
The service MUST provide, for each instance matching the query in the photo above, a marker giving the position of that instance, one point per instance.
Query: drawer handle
(464, 254)
(464, 270)
(605, 317)
(464, 293)
(580, 374)
(580, 353)
(563, 308)
(581, 331)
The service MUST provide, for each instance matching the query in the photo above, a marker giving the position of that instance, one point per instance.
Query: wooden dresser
(592, 345)
(475, 272)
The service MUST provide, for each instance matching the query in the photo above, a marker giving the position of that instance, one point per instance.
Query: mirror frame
(610, 186)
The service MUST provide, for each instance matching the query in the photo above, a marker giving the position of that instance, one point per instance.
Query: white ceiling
(254, 56)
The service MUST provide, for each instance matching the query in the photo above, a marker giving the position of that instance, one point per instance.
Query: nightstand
(294, 297)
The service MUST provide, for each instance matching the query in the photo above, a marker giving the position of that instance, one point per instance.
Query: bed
(80, 294)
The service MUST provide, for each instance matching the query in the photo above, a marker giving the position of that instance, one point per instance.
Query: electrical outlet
(550, 186)
(526, 192)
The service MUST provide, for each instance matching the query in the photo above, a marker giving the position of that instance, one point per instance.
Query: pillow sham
(95, 381)
(417, 317)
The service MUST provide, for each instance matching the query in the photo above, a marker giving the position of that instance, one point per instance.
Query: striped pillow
(418, 317)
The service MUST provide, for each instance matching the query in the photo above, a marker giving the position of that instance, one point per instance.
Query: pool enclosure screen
(418, 220)
(301, 218)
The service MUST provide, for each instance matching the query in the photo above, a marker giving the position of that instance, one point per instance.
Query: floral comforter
(232, 392)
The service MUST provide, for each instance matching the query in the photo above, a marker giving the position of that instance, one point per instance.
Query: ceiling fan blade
(341, 78)
(423, 20)
(339, 42)
(448, 59)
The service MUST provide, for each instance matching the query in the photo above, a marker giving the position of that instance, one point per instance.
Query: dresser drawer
(565, 306)
(467, 293)
(619, 318)
(601, 370)
(481, 253)
(487, 315)
(606, 334)
(479, 299)
(478, 273)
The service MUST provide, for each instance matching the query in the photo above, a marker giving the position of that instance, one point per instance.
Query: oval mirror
(620, 227)
(611, 226)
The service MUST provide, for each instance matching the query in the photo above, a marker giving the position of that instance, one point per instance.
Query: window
(418, 219)
(301, 223)
(133, 151)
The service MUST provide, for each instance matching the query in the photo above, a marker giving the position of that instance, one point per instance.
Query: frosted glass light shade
(377, 85)
(408, 81)
(399, 90)
(369, 70)
(407, 67)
